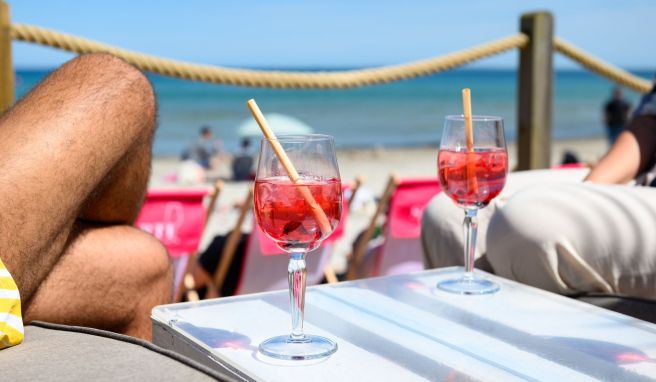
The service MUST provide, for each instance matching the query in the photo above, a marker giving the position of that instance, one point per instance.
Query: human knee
(159, 265)
(527, 236)
(121, 80)
(151, 264)
(537, 213)
(526, 220)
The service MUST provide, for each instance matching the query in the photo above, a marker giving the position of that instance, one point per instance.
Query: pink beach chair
(177, 218)
(264, 264)
(400, 252)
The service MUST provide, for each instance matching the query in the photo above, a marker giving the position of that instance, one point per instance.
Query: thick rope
(319, 80)
(271, 79)
(596, 65)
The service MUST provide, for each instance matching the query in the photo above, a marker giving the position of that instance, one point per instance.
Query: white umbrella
(280, 124)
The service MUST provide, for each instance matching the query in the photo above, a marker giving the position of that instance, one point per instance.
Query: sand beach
(374, 165)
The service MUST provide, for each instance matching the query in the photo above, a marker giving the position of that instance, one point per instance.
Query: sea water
(405, 113)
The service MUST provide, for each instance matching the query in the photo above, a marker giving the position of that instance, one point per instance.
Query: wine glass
(298, 214)
(472, 174)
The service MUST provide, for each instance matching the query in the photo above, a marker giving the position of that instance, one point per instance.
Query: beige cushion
(570, 238)
(441, 231)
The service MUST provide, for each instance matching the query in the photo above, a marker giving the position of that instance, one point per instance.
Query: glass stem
(297, 274)
(471, 229)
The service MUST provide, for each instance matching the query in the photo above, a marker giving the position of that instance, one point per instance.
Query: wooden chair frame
(357, 258)
(232, 242)
(329, 271)
(187, 281)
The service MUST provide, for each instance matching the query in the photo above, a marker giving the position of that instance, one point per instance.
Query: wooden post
(6, 70)
(535, 84)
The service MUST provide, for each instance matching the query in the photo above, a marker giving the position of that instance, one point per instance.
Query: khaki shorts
(549, 230)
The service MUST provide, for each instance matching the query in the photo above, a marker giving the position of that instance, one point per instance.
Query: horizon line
(335, 68)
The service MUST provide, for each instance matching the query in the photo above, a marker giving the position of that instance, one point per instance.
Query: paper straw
(467, 113)
(469, 138)
(318, 212)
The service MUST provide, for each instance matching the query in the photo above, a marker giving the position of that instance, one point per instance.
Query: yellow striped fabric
(11, 322)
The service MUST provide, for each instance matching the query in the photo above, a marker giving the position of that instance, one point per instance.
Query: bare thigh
(77, 147)
(108, 277)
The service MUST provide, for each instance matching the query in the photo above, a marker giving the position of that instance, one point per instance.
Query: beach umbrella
(280, 123)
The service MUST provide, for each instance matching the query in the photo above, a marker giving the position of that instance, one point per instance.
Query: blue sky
(267, 33)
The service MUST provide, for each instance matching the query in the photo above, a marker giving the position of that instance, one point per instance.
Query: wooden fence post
(6, 69)
(535, 84)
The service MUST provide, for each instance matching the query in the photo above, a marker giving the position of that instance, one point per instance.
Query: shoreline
(374, 165)
(430, 145)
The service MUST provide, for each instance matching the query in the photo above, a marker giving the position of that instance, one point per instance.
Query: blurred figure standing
(616, 114)
(199, 157)
(203, 149)
(647, 105)
(242, 163)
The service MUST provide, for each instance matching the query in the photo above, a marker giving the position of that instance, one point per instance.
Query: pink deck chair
(264, 266)
(177, 218)
(401, 252)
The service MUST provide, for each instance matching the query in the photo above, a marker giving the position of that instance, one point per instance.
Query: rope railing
(598, 66)
(535, 41)
(320, 79)
(272, 79)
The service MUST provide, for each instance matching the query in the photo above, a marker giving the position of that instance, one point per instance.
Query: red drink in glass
(285, 215)
(297, 216)
(489, 167)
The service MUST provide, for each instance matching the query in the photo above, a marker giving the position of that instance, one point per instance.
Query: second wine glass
(472, 174)
(298, 213)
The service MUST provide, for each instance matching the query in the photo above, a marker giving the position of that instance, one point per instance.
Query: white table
(400, 328)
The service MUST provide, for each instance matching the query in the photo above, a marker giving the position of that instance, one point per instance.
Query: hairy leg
(76, 148)
(126, 272)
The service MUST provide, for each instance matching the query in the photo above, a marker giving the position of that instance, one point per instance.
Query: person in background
(633, 156)
(207, 263)
(550, 230)
(616, 114)
(200, 157)
(203, 149)
(242, 163)
(70, 250)
(570, 158)
(647, 105)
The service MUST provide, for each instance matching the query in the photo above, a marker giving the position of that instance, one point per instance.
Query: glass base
(310, 347)
(468, 286)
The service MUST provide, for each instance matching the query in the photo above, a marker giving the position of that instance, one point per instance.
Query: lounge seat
(67, 353)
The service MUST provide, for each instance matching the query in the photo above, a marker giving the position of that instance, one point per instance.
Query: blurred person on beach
(616, 114)
(569, 231)
(242, 162)
(203, 150)
(207, 263)
(201, 156)
(569, 158)
(66, 235)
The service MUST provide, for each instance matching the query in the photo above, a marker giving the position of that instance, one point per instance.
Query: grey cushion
(63, 353)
